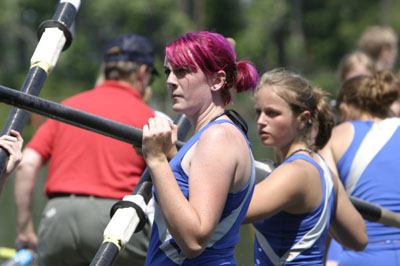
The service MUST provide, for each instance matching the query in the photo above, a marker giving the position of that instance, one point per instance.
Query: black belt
(59, 195)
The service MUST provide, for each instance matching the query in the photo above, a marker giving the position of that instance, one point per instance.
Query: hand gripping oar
(54, 36)
(56, 111)
(128, 215)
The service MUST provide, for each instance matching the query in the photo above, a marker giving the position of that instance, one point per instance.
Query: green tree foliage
(255, 41)
(306, 36)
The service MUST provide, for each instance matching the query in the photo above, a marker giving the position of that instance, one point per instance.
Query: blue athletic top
(163, 250)
(377, 146)
(369, 170)
(297, 239)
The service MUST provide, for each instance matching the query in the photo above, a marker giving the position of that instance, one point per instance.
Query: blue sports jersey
(370, 170)
(163, 250)
(297, 239)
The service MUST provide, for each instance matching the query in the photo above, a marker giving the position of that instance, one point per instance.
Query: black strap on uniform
(236, 118)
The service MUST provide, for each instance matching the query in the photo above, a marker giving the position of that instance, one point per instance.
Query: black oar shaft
(33, 82)
(376, 213)
(66, 12)
(73, 116)
(106, 254)
(56, 36)
(369, 211)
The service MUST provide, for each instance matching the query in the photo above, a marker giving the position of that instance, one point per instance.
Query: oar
(72, 116)
(113, 129)
(54, 37)
(376, 213)
(128, 215)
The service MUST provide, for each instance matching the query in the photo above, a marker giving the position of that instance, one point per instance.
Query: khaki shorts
(71, 232)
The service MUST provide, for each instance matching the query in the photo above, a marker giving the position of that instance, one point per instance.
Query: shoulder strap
(238, 120)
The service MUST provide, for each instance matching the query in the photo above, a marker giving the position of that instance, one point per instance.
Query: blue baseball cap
(134, 48)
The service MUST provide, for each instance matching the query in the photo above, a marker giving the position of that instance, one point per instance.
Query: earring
(225, 82)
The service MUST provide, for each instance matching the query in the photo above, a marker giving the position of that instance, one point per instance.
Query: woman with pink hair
(203, 193)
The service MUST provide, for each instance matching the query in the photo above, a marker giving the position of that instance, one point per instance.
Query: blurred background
(305, 36)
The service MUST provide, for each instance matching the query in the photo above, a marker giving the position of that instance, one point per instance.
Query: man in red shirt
(88, 172)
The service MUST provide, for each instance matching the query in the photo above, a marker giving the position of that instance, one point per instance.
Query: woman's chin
(266, 142)
(178, 109)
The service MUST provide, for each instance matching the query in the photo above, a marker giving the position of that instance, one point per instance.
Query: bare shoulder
(226, 141)
(341, 138)
(345, 127)
(300, 169)
(224, 148)
(298, 184)
(215, 141)
(222, 133)
(295, 174)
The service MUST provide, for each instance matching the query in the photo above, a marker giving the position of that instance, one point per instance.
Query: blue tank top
(379, 180)
(297, 239)
(163, 250)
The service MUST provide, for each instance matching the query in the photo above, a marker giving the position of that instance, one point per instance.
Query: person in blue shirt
(364, 152)
(299, 203)
(202, 194)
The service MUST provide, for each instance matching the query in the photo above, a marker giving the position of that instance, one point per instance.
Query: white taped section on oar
(49, 48)
(76, 3)
(125, 220)
(263, 169)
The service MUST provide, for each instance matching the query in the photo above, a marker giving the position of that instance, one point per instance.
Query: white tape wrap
(76, 3)
(49, 47)
(125, 220)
